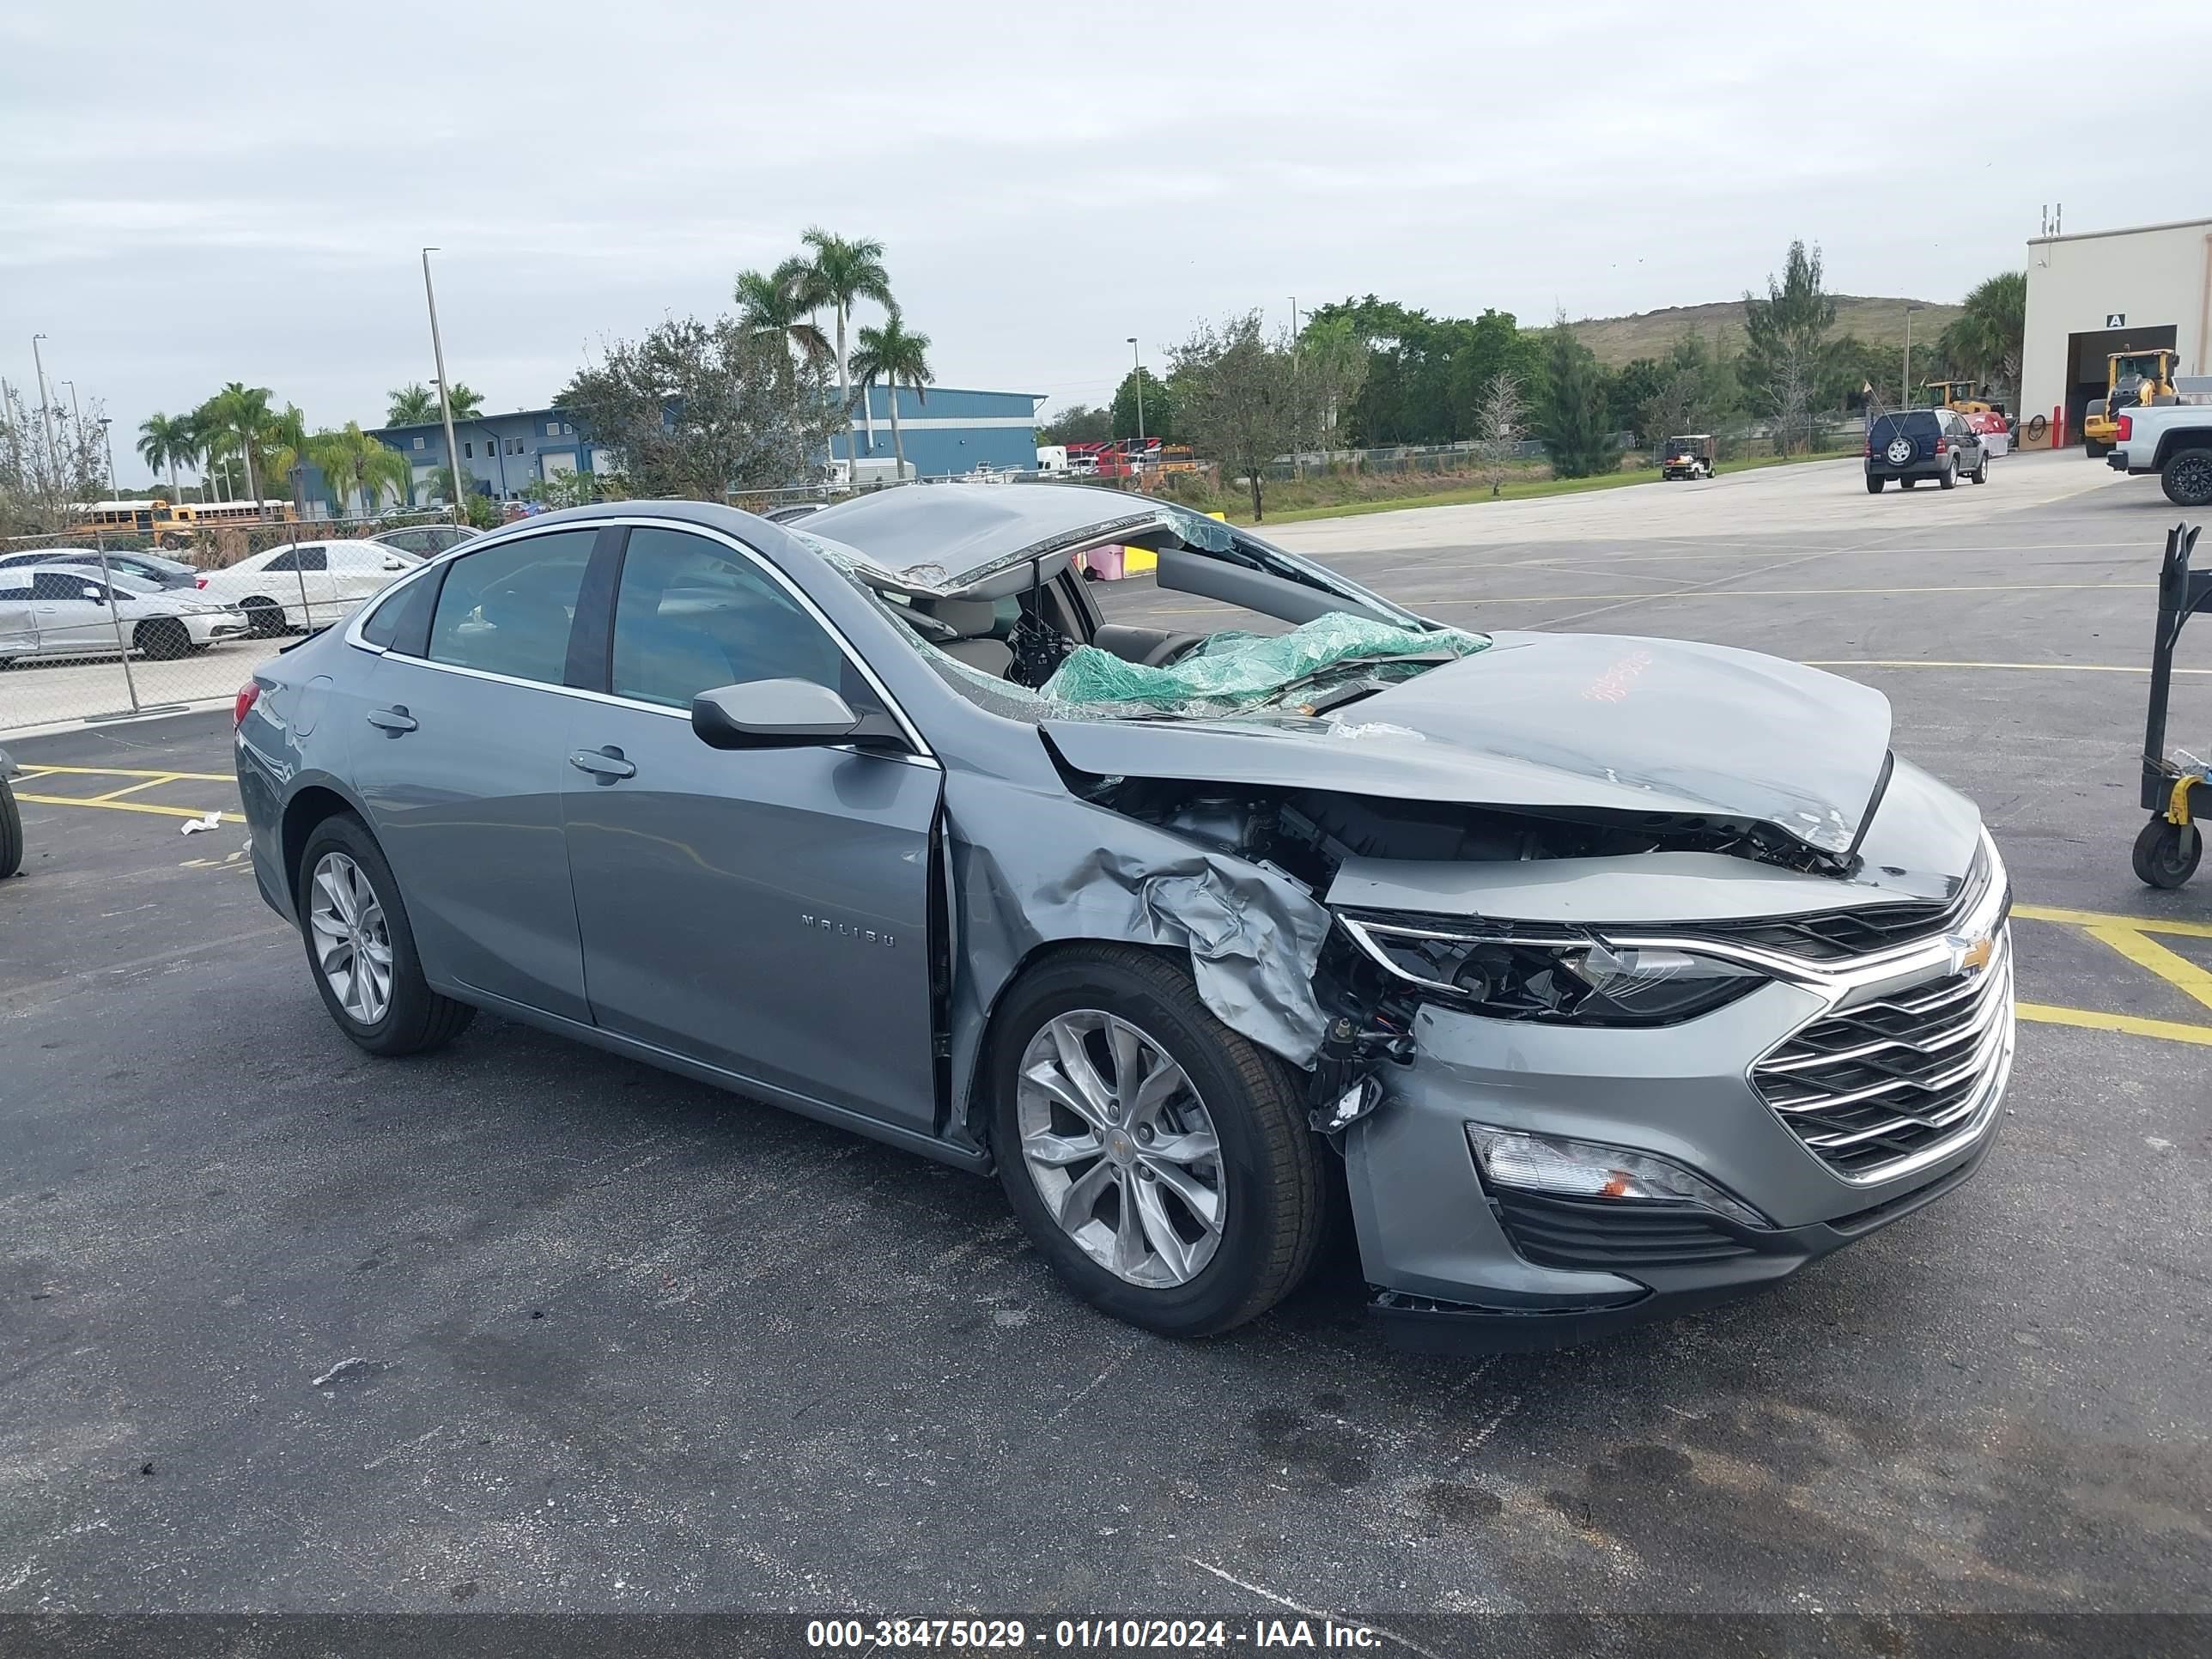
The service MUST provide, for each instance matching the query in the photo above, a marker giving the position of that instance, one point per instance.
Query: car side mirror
(395, 564)
(95, 596)
(772, 714)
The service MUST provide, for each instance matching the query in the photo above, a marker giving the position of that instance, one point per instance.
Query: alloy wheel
(1121, 1148)
(1899, 452)
(2188, 478)
(352, 941)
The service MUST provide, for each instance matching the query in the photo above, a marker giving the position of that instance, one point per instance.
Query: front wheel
(11, 832)
(162, 640)
(2166, 853)
(1160, 1162)
(360, 949)
(2187, 478)
(1906, 483)
(265, 618)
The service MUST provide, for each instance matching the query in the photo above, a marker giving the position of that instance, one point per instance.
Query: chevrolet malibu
(1593, 977)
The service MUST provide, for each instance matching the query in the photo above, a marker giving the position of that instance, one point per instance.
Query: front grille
(1837, 935)
(1610, 1233)
(1868, 1085)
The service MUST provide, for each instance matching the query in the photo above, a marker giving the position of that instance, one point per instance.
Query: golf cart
(1688, 457)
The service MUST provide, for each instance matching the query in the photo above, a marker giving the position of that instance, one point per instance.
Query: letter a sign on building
(2115, 319)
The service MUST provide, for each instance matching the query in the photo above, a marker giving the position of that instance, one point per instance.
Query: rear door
(459, 748)
(72, 614)
(18, 635)
(764, 911)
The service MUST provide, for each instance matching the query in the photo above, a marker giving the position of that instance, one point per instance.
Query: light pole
(107, 439)
(45, 414)
(1137, 357)
(1904, 392)
(445, 402)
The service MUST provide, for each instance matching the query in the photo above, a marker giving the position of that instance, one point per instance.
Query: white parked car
(67, 610)
(306, 584)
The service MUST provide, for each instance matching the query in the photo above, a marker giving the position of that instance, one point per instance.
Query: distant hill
(1617, 340)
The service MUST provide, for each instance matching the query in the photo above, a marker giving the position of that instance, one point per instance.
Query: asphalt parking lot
(523, 1327)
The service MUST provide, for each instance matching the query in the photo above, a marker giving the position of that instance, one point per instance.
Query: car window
(288, 560)
(314, 558)
(507, 610)
(53, 585)
(691, 615)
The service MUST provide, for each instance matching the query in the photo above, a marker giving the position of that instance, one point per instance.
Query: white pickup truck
(2172, 439)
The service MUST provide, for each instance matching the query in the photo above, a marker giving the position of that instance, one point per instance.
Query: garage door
(553, 464)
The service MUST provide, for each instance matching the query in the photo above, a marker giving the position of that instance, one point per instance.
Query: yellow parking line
(2103, 919)
(32, 769)
(2145, 951)
(1780, 592)
(2135, 1025)
(133, 789)
(129, 807)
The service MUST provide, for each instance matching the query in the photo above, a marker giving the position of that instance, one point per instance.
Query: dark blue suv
(1913, 444)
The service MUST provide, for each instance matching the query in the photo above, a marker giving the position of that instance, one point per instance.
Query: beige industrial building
(2102, 291)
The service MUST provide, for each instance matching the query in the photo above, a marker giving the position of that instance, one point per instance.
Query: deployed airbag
(1230, 673)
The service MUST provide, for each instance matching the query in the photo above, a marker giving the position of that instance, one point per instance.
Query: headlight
(1562, 1168)
(1559, 976)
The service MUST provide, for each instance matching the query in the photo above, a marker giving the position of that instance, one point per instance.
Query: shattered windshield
(1315, 668)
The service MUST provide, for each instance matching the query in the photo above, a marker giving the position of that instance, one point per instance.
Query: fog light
(1587, 1168)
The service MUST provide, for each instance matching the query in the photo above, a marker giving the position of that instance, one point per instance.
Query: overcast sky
(193, 194)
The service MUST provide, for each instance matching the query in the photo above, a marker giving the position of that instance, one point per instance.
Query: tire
(1264, 1179)
(2186, 477)
(2094, 450)
(1873, 486)
(162, 640)
(413, 1018)
(11, 832)
(265, 618)
(1949, 478)
(1906, 483)
(2165, 855)
(1981, 473)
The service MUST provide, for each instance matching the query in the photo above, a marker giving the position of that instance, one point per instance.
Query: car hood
(1567, 723)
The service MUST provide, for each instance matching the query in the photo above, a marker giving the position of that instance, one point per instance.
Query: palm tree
(769, 303)
(412, 404)
(890, 354)
(167, 440)
(467, 401)
(238, 421)
(354, 461)
(1985, 340)
(840, 273)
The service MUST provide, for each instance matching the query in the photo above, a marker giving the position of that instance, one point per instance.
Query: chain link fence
(105, 626)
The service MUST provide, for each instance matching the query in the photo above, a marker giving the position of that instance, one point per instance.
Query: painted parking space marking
(131, 806)
(2131, 937)
(2021, 668)
(32, 769)
(112, 799)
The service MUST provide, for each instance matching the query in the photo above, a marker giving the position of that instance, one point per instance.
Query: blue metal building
(945, 429)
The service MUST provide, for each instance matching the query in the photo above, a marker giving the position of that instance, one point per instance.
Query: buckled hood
(1563, 723)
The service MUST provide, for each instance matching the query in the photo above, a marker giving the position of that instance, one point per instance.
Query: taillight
(199, 581)
(2127, 428)
(248, 695)
(1942, 447)
(1866, 444)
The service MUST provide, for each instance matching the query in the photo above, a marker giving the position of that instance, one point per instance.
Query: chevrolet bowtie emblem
(1972, 956)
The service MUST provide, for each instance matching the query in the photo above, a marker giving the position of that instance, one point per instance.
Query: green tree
(1985, 340)
(892, 354)
(239, 422)
(1571, 409)
(699, 409)
(169, 440)
(1786, 354)
(769, 303)
(1160, 407)
(467, 401)
(413, 405)
(839, 274)
(1078, 423)
(355, 464)
(576, 488)
(1234, 398)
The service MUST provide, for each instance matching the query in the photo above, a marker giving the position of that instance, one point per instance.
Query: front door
(764, 911)
(459, 756)
(71, 615)
(18, 635)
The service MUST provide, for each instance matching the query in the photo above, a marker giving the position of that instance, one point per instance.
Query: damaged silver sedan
(1593, 977)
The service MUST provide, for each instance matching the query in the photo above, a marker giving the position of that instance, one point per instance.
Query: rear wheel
(11, 832)
(265, 618)
(163, 639)
(1982, 468)
(2187, 478)
(1906, 483)
(2165, 854)
(1158, 1160)
(1949, 479)
(360, 948)
(1873, 486)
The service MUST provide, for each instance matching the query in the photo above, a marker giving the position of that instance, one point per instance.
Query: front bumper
(1457, 1263)
(206, 626)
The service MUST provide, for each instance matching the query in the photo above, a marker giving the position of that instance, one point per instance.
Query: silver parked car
(1606, 976)
(69, 610)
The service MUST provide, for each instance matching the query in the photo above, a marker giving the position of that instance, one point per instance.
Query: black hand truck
(2173, 791)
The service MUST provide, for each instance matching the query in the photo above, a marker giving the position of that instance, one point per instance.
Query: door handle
(394, 720)
(606, 765)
